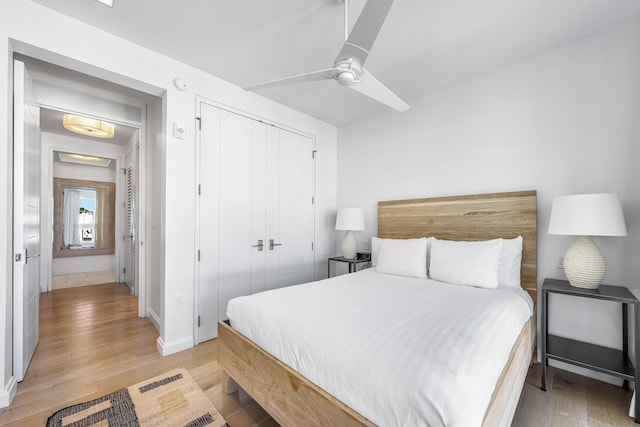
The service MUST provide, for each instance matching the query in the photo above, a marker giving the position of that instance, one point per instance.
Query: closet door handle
(260, 245)
(272, 245)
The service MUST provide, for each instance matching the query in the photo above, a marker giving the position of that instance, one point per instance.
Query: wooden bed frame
(292, 400)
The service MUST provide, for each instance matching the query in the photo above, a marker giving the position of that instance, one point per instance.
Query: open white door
(26, 222)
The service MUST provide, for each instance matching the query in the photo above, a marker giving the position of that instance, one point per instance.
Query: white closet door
(257, 184)
(258, 205)
(307, 246)
(290, 210)
(237, 240)
(207, 266)
(272, 232)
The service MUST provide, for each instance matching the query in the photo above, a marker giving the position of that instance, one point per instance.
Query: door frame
(17, 46)
(47, 257)
(145, 88)
(47, 224)
(46, 229)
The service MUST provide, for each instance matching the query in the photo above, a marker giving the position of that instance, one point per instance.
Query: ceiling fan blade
(372, 88)
(301, 78)
(364, 32)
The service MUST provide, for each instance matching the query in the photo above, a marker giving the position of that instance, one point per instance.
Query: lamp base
(349, 245)
(584, 264)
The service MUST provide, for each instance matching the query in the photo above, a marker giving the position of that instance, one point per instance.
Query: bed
(293, 399)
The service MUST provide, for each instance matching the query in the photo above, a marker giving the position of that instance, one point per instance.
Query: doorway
(58, 91)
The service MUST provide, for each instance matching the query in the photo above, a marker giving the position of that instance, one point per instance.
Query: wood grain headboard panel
(475, 217)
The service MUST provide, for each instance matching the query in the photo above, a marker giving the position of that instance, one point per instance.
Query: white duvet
(400, 351)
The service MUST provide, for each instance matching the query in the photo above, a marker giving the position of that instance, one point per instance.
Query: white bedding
(400, 351)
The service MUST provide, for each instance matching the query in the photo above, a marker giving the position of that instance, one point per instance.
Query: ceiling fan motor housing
(346, 78)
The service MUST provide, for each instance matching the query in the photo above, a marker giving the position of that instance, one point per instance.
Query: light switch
(179, 131)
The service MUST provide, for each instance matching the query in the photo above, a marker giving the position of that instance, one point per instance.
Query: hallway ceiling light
(84, 160)
(88, 126)
(87, 158)
(107, 2)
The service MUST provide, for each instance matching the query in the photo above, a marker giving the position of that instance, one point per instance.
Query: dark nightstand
(353, 262)
(595, 357)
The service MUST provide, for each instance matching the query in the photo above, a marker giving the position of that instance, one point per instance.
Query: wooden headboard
(475, 217)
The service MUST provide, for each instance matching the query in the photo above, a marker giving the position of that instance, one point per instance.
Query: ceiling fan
(348, 67)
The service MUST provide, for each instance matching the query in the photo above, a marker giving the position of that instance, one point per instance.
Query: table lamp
(586, 215)
(349, 219)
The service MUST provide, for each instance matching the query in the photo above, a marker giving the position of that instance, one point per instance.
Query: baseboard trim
(7, 393)
(155, 319)
(167, 348)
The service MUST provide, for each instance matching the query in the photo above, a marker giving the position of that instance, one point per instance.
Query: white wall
(21, 29)
(564, 122)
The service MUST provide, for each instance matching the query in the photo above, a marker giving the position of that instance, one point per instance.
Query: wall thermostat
(179, 131)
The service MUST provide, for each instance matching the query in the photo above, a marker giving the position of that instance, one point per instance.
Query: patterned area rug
(171, 399)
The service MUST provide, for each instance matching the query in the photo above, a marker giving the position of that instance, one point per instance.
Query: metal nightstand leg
(636, 339)
(543, 344)
(625, 337)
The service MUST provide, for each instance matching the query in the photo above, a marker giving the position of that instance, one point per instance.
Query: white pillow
(403, 257)
(510, 262)
(466, 263)
(375, 250)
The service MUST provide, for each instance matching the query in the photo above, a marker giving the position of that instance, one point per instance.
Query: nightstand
(598, 358)
(362, 258)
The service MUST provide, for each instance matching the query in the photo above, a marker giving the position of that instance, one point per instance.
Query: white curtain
(71, 219)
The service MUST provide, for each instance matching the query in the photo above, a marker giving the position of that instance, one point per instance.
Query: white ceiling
(424, 45)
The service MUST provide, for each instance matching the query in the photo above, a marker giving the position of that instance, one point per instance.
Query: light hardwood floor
(571, 400)
(92, 343)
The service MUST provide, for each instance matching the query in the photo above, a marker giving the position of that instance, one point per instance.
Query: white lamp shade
(587, 215)
(350, 219)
